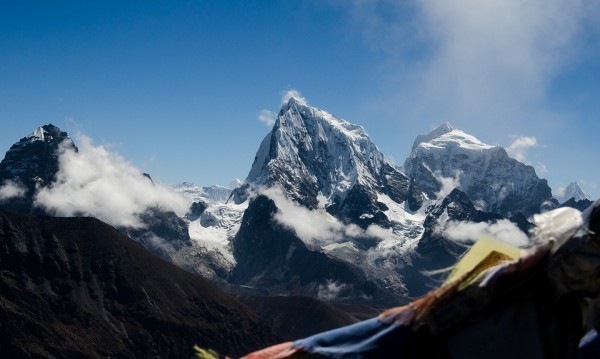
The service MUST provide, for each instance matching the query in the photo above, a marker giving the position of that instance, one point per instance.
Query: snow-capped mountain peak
(321, 161)
(436, 132)
(37, 134)
(350, 130)
(310, 152)
(494, 181)
(447, 137)
(572, 191)
(235, 183)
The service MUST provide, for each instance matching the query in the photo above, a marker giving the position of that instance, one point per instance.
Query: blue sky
(177, 87)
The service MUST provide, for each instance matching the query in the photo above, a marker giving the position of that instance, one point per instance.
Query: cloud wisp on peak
(96, 182)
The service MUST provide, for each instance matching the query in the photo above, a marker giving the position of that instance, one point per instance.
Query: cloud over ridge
(99, 183)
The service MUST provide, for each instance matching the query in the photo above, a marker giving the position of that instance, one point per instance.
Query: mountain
(322, 216)
(320, 195)
(436, 252)
(213, 193)
(30, 163)
(76, 287)
(271, 256)
(353, 206)
(494, 181)
(321, 161)
(322, 212)
(33, 163)
(572, 191)
(212, 221)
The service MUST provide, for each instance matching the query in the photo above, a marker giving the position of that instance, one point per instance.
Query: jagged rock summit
(32, 162)
(494, 181)
(320, 160)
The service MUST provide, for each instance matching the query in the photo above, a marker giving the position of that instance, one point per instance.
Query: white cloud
(11, 189)
(487, 62)
(447, 183)
(317, 228)
(518, 148)
(541, 168)
(287, 95)
(560, 192)
(496, 57)
(503, 230)
(330, 290)
(375, 231)
(267, 117)
(102, 184)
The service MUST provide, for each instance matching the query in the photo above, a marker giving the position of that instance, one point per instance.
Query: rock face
(491, 179)
(75, 288)
(164, 232)
(320, 160)
(580, 205)
(30, 163)
(434, 251)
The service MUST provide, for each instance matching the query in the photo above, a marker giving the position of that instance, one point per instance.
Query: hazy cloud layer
(560, 192)
(102, 184)
(503, 230)
(495, 56)
(541, 168)
(11, 189)
(490, 63)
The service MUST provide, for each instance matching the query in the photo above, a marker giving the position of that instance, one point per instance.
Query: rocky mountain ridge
(76, 287)
(30, 163)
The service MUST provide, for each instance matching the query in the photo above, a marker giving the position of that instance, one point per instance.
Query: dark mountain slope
(294, 317)
(77, 288)
(270, 256)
